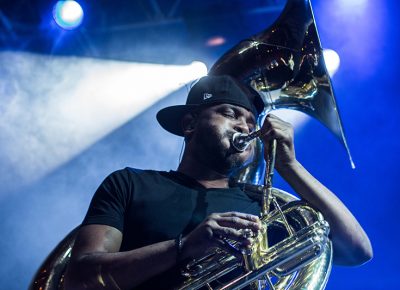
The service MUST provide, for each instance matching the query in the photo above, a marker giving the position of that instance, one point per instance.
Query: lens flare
(68, 14)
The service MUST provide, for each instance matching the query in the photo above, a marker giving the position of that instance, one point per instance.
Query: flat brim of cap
(170, 118)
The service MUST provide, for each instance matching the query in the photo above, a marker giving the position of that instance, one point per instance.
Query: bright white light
(53, 108)
(198, 69)
(296, 118)
(332, 61)
(352, 6)
(352, 3)
(68, 14)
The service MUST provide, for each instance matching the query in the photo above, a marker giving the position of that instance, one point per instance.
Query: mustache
(229, 135)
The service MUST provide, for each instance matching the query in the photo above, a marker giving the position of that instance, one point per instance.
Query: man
(141, 223)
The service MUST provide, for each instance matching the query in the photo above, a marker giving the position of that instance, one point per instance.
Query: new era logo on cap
(207, 96)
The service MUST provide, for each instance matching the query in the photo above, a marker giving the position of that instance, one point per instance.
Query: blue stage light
(68, 14)
(352, 4)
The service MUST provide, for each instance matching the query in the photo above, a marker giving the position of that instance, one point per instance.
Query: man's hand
(351, 245)
(217, 227)
(276, 128)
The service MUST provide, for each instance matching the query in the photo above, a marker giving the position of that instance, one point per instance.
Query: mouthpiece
(240, 141)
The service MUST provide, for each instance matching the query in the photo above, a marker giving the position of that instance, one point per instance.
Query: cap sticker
(207, 96)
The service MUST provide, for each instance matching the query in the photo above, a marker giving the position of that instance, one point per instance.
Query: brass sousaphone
(285, 65)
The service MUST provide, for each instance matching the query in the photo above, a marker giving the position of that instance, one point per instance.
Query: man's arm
(96, 263)
(351, 245)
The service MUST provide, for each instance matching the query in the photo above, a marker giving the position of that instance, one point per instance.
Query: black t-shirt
(150, 206)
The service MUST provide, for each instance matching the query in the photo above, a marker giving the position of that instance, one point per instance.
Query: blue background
(35, 217)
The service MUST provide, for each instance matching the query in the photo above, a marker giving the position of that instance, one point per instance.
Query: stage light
(353, 3)
(215, 41)
(198, 69)
(332, 61)
(81, 101)
(68, 14)
(351, 6)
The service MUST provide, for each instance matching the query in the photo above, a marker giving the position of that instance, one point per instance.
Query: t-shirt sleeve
(109, 203)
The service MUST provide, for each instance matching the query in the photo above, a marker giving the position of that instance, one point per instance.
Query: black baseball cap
(210, 90)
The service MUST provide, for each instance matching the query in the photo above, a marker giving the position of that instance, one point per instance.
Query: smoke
(37, 215)
(55, 107)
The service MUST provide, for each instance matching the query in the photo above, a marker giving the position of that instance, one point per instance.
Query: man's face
(213, 133)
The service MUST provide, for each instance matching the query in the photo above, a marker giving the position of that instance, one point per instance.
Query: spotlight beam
(53, 108)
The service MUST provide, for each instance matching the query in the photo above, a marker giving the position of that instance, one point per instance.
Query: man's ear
(189, 122)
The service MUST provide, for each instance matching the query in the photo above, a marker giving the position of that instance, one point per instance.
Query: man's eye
(229, 114)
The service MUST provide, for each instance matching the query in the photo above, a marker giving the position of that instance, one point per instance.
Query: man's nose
(241, 126)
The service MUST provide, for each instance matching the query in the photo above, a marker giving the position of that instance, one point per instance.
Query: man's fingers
(277, 134)
(272, 121)
(239, 220)
(245, 216)
(222, 233)
(234, 226)
(239, 223)
(275, 128)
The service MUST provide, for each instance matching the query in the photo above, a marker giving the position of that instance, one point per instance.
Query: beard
(214, 149)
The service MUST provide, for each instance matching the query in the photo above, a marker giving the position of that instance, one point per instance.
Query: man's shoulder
(131, 179)
(131, 172)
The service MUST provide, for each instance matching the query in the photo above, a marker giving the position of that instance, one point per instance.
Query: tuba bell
(284, 64)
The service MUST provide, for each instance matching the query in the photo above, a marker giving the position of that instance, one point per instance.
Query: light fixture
(68, 14)
(332, 61)
(215, 41)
